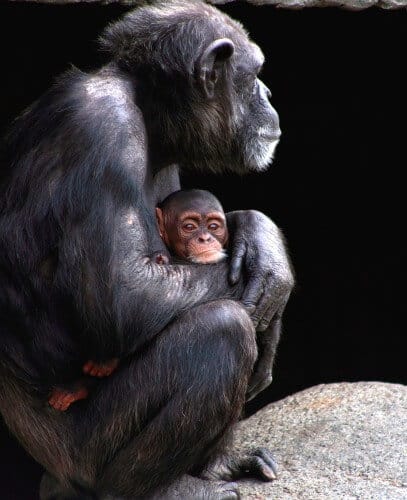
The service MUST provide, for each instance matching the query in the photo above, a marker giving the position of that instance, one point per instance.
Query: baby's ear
(160, 220)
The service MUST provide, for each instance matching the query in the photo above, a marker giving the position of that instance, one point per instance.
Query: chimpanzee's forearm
(171, 290)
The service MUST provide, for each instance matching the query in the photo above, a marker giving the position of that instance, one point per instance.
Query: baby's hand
(160, 258)
(100, 370)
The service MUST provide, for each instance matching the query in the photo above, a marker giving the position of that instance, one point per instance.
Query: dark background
(336, 188)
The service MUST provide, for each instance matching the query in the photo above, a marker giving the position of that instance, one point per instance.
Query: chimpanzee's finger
(266, 306)
(267, 458)
(265, 321)
(236, 263)
(260, 382)
(275, 312)
(252, 296)
(252, 391)
(259, 294)
(258, 466)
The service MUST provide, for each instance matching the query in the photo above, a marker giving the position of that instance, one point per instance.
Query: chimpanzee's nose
(204, 238)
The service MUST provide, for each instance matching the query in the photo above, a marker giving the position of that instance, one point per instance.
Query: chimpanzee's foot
(259, 463)
(261, 378)
(61, 399)
(52, 489)
(188, 487)
(100, 370)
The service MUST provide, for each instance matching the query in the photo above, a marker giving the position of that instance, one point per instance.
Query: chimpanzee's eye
(213, 226)
(188, 227)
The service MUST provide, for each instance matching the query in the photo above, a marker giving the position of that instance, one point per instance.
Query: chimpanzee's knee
(234, 333)
(234, 324)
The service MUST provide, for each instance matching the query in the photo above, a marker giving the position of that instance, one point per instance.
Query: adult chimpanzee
(81, 173)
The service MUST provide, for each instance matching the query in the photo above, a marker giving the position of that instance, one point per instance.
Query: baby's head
(193, 226)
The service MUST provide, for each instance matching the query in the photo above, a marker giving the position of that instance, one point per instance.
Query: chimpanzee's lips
(211, 250)
(208, 256)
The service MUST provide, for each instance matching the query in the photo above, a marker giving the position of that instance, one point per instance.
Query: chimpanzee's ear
(160, 220)
(210, 64)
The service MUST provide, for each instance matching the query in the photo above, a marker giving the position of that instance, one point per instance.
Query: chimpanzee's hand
(258, 252)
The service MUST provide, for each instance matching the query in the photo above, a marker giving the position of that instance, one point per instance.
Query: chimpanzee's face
(257, 122)
(195, 234)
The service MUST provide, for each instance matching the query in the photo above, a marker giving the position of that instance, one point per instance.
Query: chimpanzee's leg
(161, 415)
(52, 489)
(155, 419)
(48, 435)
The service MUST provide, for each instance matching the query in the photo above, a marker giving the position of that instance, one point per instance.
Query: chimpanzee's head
(193, 226)
(195, 73)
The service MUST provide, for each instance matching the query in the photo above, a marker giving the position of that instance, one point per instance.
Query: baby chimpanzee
(193, 226)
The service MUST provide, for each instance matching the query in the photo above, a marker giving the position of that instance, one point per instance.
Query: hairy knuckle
(263, 325)
(284, 282)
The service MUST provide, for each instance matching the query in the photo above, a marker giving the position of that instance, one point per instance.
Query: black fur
(81, 172)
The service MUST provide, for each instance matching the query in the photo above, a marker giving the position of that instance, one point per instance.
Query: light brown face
(197, 236)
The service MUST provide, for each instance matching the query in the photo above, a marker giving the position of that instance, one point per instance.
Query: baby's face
(196, 234)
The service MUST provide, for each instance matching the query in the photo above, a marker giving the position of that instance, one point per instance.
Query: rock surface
(332, 442)
(346, 4)
(288, 4)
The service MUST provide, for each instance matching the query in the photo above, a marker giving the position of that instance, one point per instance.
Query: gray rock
(345, 4)
(332, 442)
(288, 4)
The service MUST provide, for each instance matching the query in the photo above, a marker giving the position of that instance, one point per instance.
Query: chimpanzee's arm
(258, 251)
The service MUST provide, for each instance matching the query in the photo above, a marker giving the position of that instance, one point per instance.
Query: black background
(337, 188)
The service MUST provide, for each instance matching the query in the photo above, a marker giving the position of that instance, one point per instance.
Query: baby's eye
(188, 227)
(213, 226)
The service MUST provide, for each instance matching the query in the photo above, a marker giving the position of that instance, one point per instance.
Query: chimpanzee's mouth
(208, 256)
